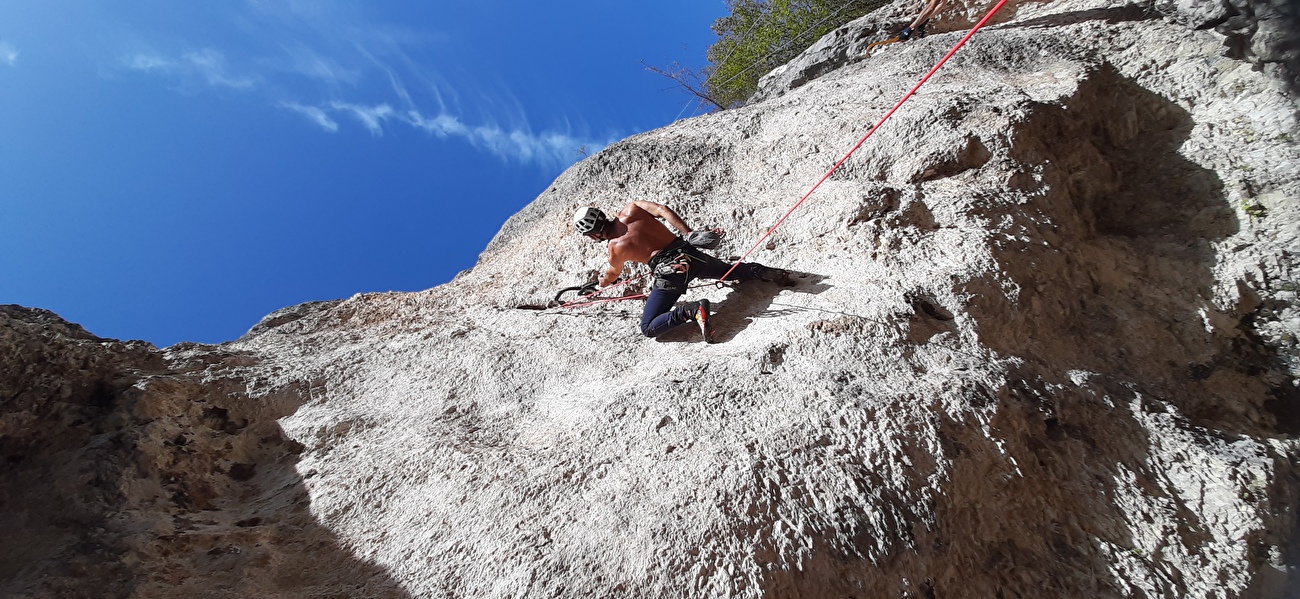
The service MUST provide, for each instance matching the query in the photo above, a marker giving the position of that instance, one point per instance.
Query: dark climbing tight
(659, 315)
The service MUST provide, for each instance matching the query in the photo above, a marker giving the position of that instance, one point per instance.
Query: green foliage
(760, 35)
(1253, 209)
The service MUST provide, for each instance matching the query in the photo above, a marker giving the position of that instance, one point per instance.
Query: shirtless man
(636, 235)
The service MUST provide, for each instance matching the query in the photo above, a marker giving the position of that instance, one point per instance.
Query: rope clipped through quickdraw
(601, 300)
(590, 299)
(891, 112)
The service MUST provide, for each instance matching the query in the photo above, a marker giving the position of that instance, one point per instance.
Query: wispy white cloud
(147, 62)
(315, 114)
(8, 54)
(388, 54)
(211, 65)
(549, 149)
(317, 58)
(443, 125)
(372, 117)
(206, 65)
(301, 60)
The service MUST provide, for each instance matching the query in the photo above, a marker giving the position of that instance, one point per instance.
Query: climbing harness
(590, 300)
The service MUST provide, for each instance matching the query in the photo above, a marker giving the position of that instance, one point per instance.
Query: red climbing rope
(864, 137)
(604, 300)
(589, 299)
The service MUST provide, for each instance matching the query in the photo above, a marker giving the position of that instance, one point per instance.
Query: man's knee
(647, 330)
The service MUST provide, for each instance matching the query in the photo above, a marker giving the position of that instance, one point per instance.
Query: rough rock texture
(1263, 33)
(129, 472)
(1044, 345)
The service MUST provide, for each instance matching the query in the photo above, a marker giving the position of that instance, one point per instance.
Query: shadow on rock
(1113, 320)
(748, 302)
(123, 476)
(1122, 285)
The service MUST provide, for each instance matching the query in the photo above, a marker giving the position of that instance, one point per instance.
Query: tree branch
(687, 80)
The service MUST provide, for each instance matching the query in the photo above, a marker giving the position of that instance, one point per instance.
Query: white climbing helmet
(588, 220)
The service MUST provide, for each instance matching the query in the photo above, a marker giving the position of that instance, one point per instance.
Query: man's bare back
(636, 235)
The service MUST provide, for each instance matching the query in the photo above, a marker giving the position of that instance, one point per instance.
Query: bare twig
(688, 80)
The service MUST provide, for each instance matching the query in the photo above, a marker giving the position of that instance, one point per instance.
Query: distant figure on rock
(917, 28)
(636, 235)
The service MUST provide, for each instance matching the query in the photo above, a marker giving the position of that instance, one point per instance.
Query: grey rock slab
(1044, 345)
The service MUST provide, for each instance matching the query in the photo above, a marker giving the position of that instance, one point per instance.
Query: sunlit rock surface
(1043, 345)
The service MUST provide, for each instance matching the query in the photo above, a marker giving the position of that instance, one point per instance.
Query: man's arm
(666, 213)
(930, 8)
(611, 274)
(616, 262)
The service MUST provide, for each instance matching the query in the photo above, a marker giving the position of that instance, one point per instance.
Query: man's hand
(610, 275)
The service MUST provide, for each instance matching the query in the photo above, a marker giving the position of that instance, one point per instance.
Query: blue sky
(173, 171)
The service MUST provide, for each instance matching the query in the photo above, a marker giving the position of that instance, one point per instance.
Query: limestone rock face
(130, 472)
(1264, 33)
(1043, 343)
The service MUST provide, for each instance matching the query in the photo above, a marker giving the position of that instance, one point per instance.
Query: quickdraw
(578, 303)
(872, 46)
(591, 291)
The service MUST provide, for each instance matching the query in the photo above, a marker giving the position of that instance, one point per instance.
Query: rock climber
(917, 27)
(636, 235)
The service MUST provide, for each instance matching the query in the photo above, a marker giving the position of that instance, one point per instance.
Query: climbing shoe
(776, 275)
(905, 34)
(701, 318)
